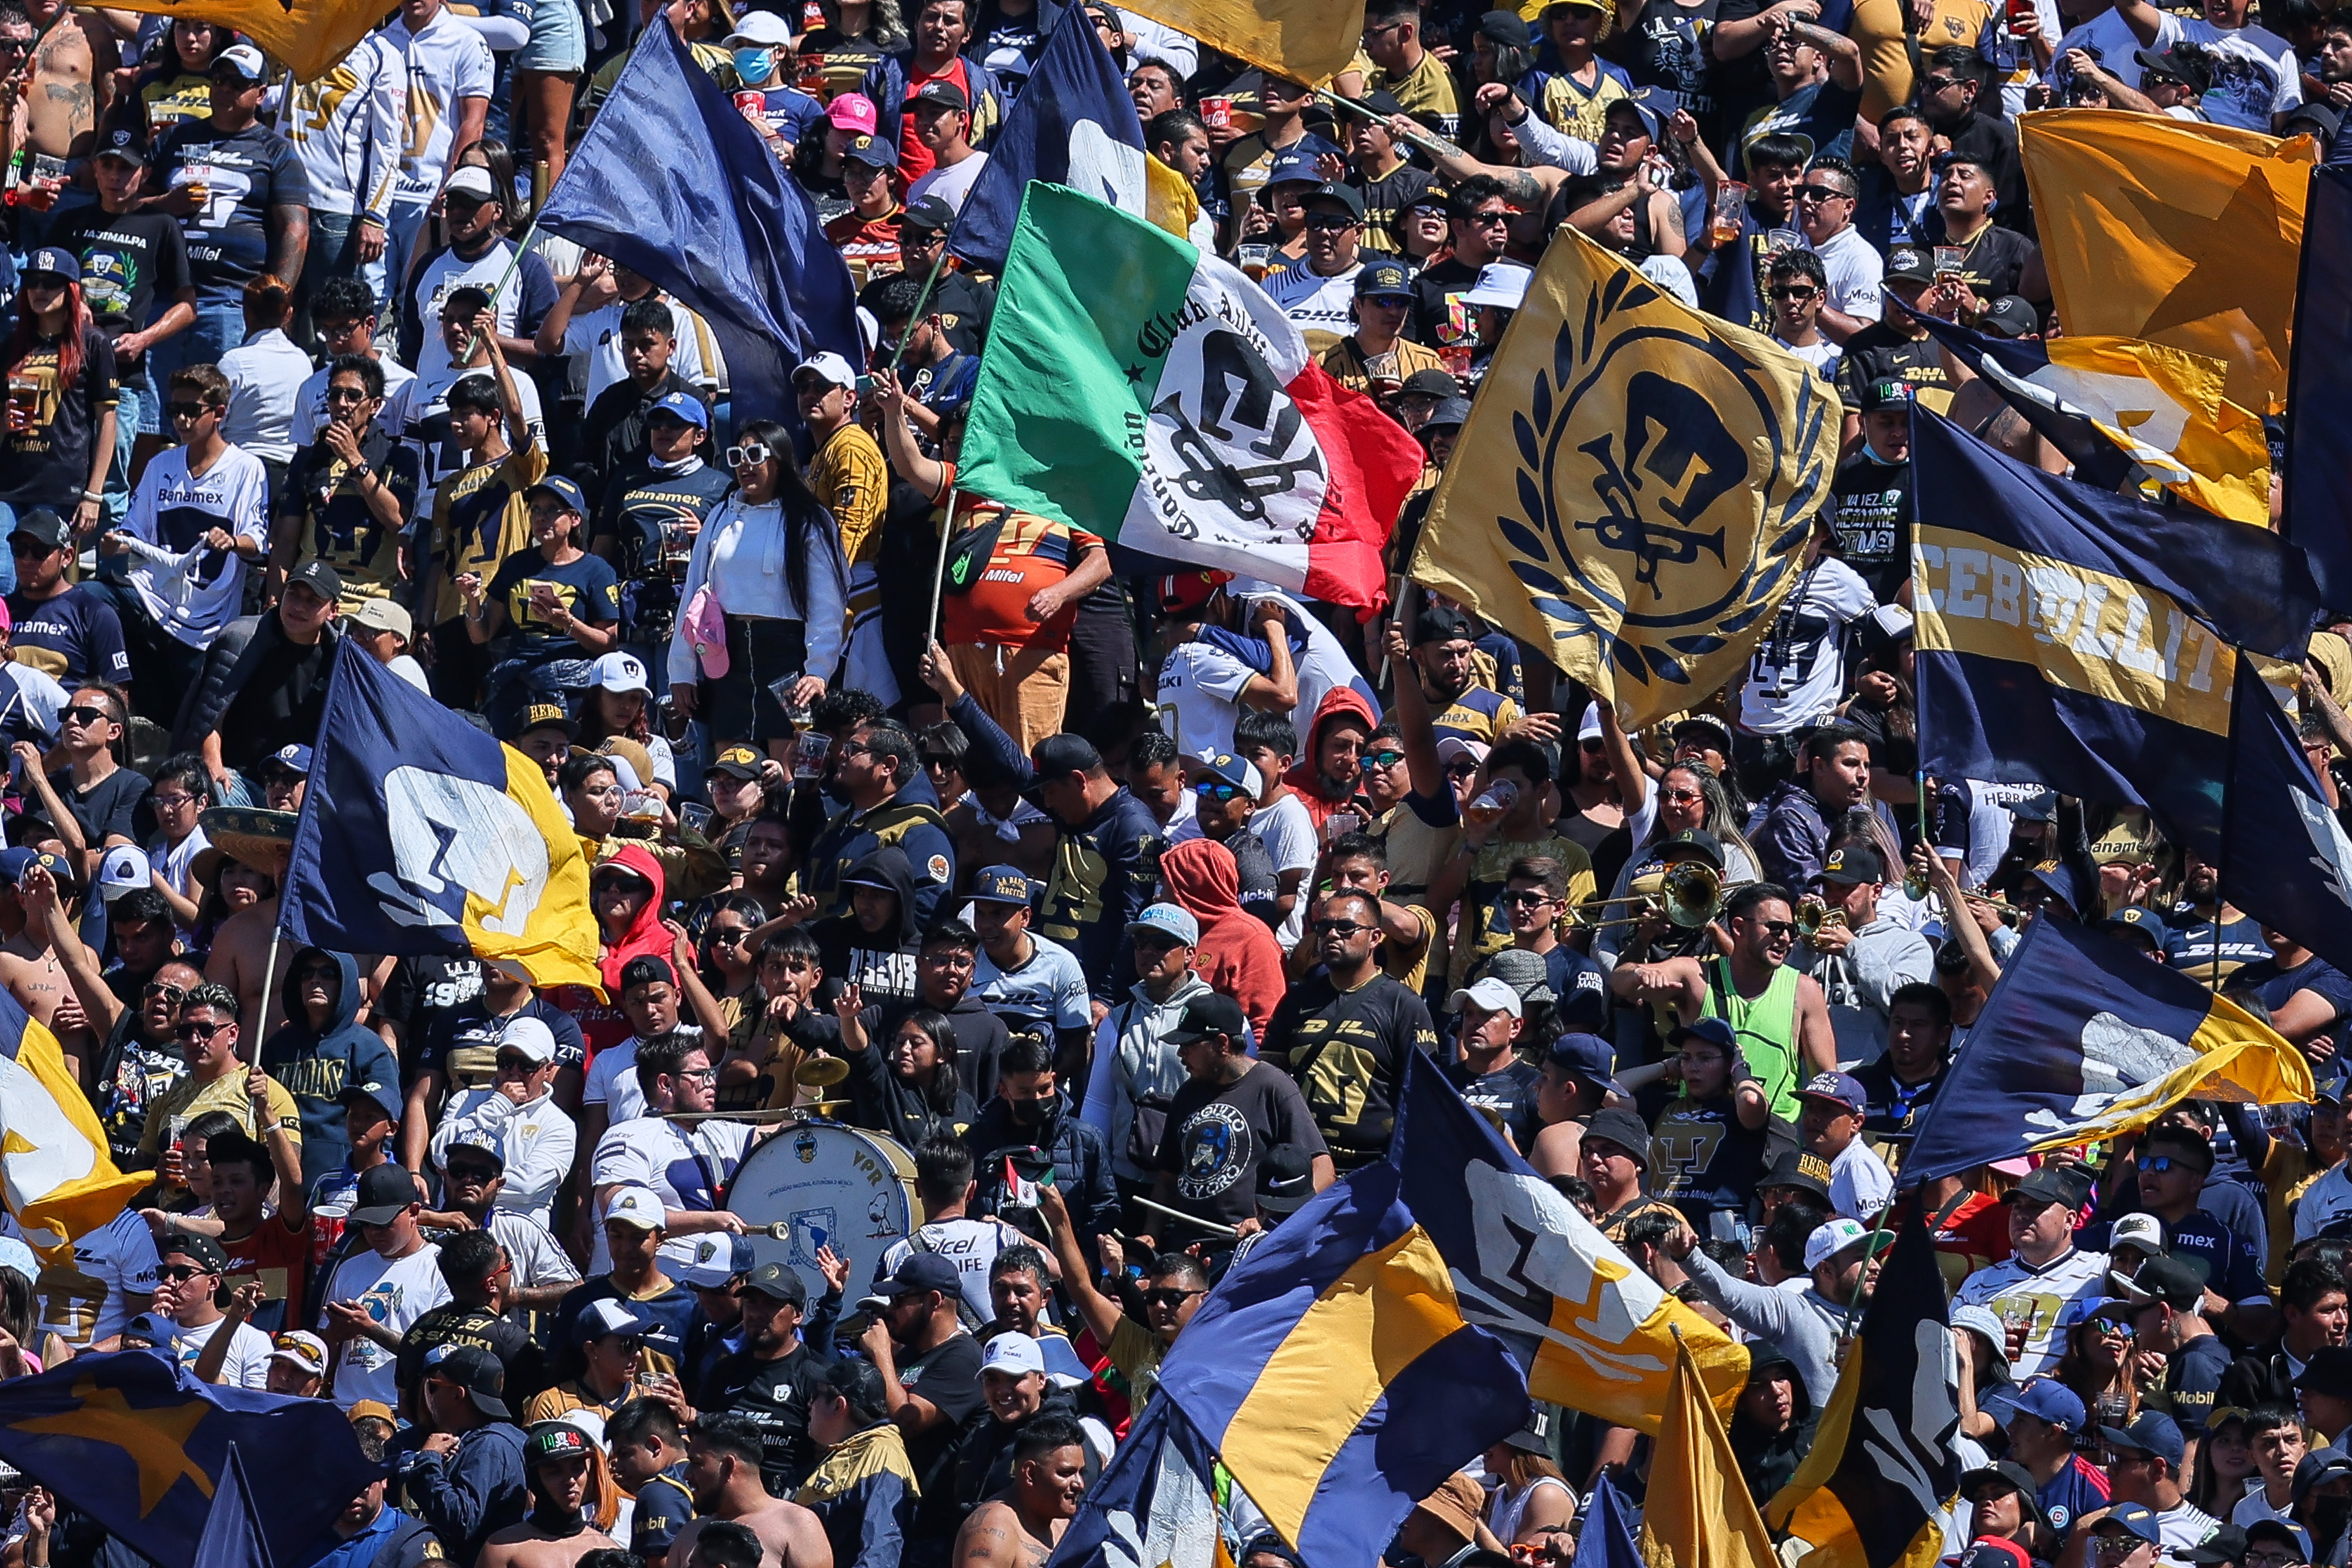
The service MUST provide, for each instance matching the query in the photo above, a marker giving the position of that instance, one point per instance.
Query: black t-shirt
(416, 992)
(1890, 1107)
(1876, 509)
(1348, 1052)
(948, 1376)
(72, 638)
(1386, 197)
(1509, 1094)
(283, 700)
(615, 424)
(1703, 1159)
(642, 508)
(331, 515)
(246, 174)
(462, 1040)
(1216, 1133)
(1438, 316)
(1879, 353)
(126, 260)
(106, 807)
(1992, 262)
(50, 463)
(457, 1324)
(773, 1395)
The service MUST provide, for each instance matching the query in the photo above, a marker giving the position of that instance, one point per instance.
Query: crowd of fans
(1117, 900)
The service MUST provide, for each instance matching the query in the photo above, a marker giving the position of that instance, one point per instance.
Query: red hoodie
(1305, 782)
(602, 1023)
(1237, 953)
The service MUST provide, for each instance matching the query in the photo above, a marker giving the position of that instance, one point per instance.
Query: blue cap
(1588, 1057)
(2050, 1400)
(1383, 278)
(1298, 160)
(1841, 1089)
(1169, 920)
(2137, 920)
(1228, 768)
(683, 406)
(565, 492)
(2135, 1517)
(293, 755)
(53, 258)
(13, 862)
(2153, 1433)
(2330, 1078)
(1714, 1030)
(2059, 879)
(1002, 884)
(1645, 103)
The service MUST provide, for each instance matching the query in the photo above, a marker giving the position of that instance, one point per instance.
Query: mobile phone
(865, 385)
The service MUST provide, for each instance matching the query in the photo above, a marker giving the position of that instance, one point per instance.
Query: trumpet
(1813, 913)
(1689, 893)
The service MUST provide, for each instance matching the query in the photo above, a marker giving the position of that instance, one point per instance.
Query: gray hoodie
(1791, 1316)
(1134, 1060)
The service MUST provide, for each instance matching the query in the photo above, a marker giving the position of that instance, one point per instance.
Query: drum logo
(811, 1228)
(805, 1147)
(878, 1214)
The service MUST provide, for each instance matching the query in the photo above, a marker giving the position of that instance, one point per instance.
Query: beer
(1254, 260)
(1493, 804)
(1730, 212)
(24, 398)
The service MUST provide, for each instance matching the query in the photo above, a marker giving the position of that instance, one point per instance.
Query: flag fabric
(133, 1440)
(2084, 1037)
(1074, 124)
(57, 1174)
(2284, 857)
(1143, 391)
(2085, 641)
(1589, 1330)
(420, 834)
(1634, 491)
(1335, 1372)
(233, 1537)
(1697, 1512)
(308, 38)
(673, 183)
(2172, 231)
(1297, 39)
(1155, 1504)
(2318, 515)
(1607, 1539)
(2124, 412)
(1875, 1490)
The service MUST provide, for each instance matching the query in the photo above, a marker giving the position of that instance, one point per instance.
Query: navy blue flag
(2083, 640)
(673, 183)
(1607, 1539)
(443, 841)
(2318, 506)
(2084, 1037)
(2008, 365)
(2285, 859)
(1073, 125)
(1156, 1502)
(233, 1537)
(133, 1440)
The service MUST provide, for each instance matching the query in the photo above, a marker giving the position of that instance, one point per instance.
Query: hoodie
(864, 1492)
(1135, 1068)
(1768, 1459)
(317, 1065)
(1305, 782)
(1237, 954)
(602, 1023)
(908, 820)
(883, 963)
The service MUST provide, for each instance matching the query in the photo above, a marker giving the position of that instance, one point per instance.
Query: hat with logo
(2047, 1399)
(122, 140)
(919, 1272)
(1588, 1059)
(928, 213)
(1346, 196)
(1385, 278)
(1005, 885)
(2136, 921)
(58, 262)
(383, 615)
(567, 494)
(2152, 1433)
(2060, 879)
(15, 862)
(645, 969)
(1442, 623)
(684, 407)
(736, 762)
(827, 366)
(2010, 316)
(1852, 865)
(1833, 1238)
(1490, 994)
(1879, 396)
(383, 1094)
(1800, 1170)
(293, 758)
(201, 1250)
(385, 1193)
(2320, 1466)
(2067, 1184)
(1842, 1090)
(1992, 1551)
(124, 868)
(244, 61)
(2286, 1533)
(302, 1348)
(474, 1369)
(553, 1442)
(941, 93)
(546, 715)
(1189, 590)
(620, 672)
(472, 182)
(853, 111)
(1015, 1353)
(1910, 264)
(1691, 844)
(1500, 283)
(1228, 768)
(2139, 1229)
(778, 1282)
(872, 151)
(639, 1208)
(1167, 920)
(1702, 729)
(1285, 1178)
(609, 1316)
(1439, 384)
(2009, 1475)
(2226, 1544)
(1622, 1128)
(320, 577)
(1296, 164)
(1206, 1015)
(718, 1258)
(530, 1037)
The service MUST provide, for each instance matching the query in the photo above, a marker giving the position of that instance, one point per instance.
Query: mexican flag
(1143, 391)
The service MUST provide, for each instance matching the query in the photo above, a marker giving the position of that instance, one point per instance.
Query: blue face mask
(754, 65)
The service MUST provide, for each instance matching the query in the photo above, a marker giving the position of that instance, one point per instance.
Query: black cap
(1880, 396)
(2167, 1279)
(385, 1194)
(1801, 1169)
(939, 91)
(122, 139)
(1910, 264)
(1207, 1015)
(929, 212)
(1853, 865)
(2010, 316)
(320, 577)
(1622, 1128)
(2068, 1185)
(549, 1440)
(1058, 756)
(2329, 1371)
(2013, 1476)
(1442, 623)
(1285, 1178)
(2226, 1544)
(645, 969)
(1451, 415)
(1380, 101)
(1383, 278)
(1698, 842)
(1347, 196)
(42, 524)
(1507, 28)
(1439, 384)
(2182, 65)
(780, 1281)
(474, 1369)
(204, 1250)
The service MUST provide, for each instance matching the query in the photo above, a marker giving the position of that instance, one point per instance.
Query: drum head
(832, 1187)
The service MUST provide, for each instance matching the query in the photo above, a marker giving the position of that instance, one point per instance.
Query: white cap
(299, 1347)
(1503, 283)
(475, 180)
(620, 672)
(1014, 1353)
(829, 365)
(1450, 747)
(529, 1036)
(1833, 1238)
(125, 867)
(1588, 728)
(638, 1205)
(762, 28)
(1493, 995)
(1893, 620)
(2144, 1231)
(250, 61)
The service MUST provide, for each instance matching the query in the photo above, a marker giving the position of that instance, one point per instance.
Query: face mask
(754, 65)
(1030, 1112)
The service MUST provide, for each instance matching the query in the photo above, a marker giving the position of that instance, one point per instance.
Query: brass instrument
(1813, 913)
(1689, 893)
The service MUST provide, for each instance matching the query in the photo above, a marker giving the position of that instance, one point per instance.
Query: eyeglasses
(174, 995)
(751, 455)
(188, 409)
(702, 1074)
(82, 713)
(347, 394)
(34, 549)
(853, 748)
(2270, 1559)
(196, 1029)
(1331, 223)
(179, 1274)
(1821, 193)
(1339, 927)
(1217, 790)
(1379, 759)
(1528, 898)
(339, 329)
(1792, 291)
(600, 790)
(171, 802)
(1169, 1297)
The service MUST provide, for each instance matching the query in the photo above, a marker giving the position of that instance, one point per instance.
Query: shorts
(559, 41)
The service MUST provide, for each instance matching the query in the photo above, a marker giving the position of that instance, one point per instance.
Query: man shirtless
(71, 80)
(1019, 1527)
(240, 953)
(38, 963)
(553, 1534)
(722, 1471)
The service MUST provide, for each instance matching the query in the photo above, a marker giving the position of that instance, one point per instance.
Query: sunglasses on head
(751, 455)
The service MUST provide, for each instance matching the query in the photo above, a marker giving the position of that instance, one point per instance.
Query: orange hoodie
(1305, 782)
(1237, 954)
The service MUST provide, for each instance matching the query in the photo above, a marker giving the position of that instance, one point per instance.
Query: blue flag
(133, 1440)
(233, 1536)
(1155, 1502)
(673, 183)
(2008, 365)
(1073, 125)
(2084, 1037)
(2285, 859)
(2085, 641)
(1607, 1539)
(2318, 507)
(421, 834)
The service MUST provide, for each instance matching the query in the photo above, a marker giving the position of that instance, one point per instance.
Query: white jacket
(537, 1141)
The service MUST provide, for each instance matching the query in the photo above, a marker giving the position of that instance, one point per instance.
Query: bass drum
(829, 1186)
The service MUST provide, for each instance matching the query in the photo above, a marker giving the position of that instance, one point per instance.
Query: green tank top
(1767, 1027)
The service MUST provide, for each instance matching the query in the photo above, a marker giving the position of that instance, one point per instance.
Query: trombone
(1689, 893)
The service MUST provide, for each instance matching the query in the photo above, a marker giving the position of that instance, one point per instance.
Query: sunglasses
(1526, 898)
(1462, 770)
(174, 995)
(1167, 1297)
(34, 549)
(1681, 797)
(82, 713)
(1217, 790)
(515, 1063)
(729, 937)
(1593, 745)
(1379, 759)
(1820, 194)
(1331, 223)
(702, 1074)
(196, 1029)
(2158, 1165)
(751, 455)
(189, 410)
(179, 1274)
(1778, 927)
(317, 972)
(347, 394)
(458, 1170)
(1339, 927)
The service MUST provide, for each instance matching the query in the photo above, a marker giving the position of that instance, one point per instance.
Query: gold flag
(307, 37)
(2168, 408)
(1168, 199)
(1297, 39)
(1634, 488)
(2173, 232)
(1699, 1513)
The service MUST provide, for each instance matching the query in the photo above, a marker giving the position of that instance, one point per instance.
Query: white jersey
(247, 1364)
(191, 590)
(1200, 695)
(349, 128)
(447, 64)
(394, 1292)
(310, 402)
(597, 335)
(2255, 73)
(87, 1300)
(1798, 671)
(971, 1245)
(688, 1167)
(2050, 1300)
(417, 416)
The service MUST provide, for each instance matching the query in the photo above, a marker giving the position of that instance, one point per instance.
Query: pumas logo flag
(1141, 390)
(443, 841)
(56, 1176)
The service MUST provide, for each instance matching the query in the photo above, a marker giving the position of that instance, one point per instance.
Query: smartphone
(865, 385)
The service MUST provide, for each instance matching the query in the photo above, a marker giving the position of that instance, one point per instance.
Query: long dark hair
(806, 519)
(940, 1091)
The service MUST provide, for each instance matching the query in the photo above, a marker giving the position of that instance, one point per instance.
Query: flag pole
(940, 576)
(1417, 136)
(922, 302)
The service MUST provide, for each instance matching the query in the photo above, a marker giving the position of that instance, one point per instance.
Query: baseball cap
(736, 762)
(872, 151)
(546, 715)
(383, 1094)
(1713, 1030)
(1452, 743)
(2152, 1433)
(2144, 1231)
(1003, 884)
(1190, 590)
(1383, 278)
(684, 407)
(1833, 1238)
(944, 93)
(619, 672)
(479, 1145)
(2226, 1544)
(1014, 1353)
(471, 181)
(528, 1035)
(124, 139)
(1442, 623)
(1853, 866)
(2059, 879)
(929, 212)
(1500, 283)
(1451, 414)
(15, 862)
(554, 1440)
(2135, 922)
(2068, 1185)
(204, 1250)
(1622, 1128)
(153, 1329)
(55, 260)
(1439, 384)
(1207, 1015)
(1491, 995)
(474, 1369)
(39, 522)
(567, 494)
(294, 757)
(777, 1281)
(1285, 1178)
(1641, 103)
(609, 1316)
(1167, 920)
(827, 366)
(242, 59)
(1230, 769)
(1879, 396)
(1347, 196)
(2047, 1399)
(385, 1194)
(762, 28)
(1801, 1169)
(299, 1347)
(2317, 1466)
(1587, 1057)
(646, 970)
(383, 615)
(1840, 1089)
(1507, 28)
(1058, 756)
(1295, 166)
(320, 577)
(1992, 1551)
(2009, 317)
(718, 1258)
(853, 111)
(1698, 842)
(124, 868)
(638, 1207)
(921, 1272)
(1704, 729)
(2285, 1531)
(1909, 264)
(2178, 64)
(2008, 1473)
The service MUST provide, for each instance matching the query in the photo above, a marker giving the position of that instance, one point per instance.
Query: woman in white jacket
(770, 556)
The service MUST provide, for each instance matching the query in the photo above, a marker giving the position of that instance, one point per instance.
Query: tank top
(1511, 1505)
(1767, 1027)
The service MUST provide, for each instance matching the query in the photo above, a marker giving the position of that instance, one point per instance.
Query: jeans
(219, 326)
(137, 411)
(334, 253)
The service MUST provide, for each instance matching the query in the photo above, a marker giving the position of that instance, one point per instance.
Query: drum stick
(1176, 1214)
(781, 1113)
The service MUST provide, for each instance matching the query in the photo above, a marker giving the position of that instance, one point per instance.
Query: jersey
(86, 1298)
(1703, 1160)
(2050, 1299)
